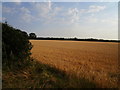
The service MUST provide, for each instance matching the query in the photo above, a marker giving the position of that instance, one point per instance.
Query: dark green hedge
(15, 44)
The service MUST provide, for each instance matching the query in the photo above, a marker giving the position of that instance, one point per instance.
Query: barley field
(95, 61)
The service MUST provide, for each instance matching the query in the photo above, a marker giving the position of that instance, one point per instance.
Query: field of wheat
(96, 61)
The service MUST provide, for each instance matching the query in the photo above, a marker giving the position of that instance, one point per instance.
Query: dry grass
(96, 61)
(38, 75)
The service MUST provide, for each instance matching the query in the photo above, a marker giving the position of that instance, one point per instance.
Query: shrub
(15, 45)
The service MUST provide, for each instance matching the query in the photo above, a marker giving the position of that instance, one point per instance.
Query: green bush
(15, 45)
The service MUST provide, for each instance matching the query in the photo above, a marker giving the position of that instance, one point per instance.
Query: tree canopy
(32, 35)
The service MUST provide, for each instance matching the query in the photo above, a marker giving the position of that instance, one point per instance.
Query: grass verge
(38, 75)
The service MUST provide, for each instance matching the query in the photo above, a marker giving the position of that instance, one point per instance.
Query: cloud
(26, 15)
(25, 10)
(18, 3)
(101, 21)
(112, 21)
(27, 18)
(56, 10)
(42, 9)
(73, 15)
(92, 20)
(8, 10)
(82, 11)
(93, 8)
(73, 11)
(49, 4)
(76, 16)
(46, 12)
(22, 0)
(60, 15)
(15, 0)
(3, 18)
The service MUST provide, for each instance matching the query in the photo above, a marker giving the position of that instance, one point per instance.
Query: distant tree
(32, 35)
(75, 38)
(5, 22)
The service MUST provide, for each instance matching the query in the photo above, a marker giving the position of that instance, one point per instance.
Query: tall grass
(38, 75)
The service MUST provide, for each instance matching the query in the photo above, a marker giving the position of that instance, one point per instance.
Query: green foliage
(15, 45)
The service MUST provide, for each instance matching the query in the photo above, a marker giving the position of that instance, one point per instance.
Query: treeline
(74, 39)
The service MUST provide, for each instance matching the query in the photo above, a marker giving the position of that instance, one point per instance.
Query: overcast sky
(64, 19)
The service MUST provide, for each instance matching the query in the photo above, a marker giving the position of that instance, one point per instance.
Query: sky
(64, 19)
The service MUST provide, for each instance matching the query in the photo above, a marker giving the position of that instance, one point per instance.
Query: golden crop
(96, 61)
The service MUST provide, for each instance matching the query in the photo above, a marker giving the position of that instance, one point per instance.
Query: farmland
(96, 61)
